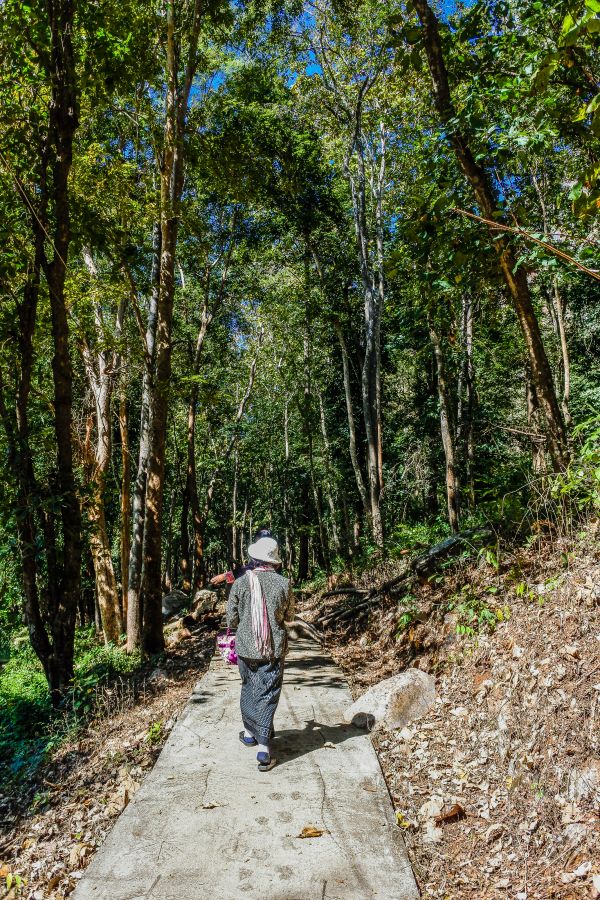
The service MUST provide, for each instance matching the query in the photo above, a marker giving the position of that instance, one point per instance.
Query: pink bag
(226, 646)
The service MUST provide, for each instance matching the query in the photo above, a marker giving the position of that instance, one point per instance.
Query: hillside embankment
(497, 788)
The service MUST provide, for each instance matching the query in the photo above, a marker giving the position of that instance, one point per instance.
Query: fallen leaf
(309, 831)
(453, 814)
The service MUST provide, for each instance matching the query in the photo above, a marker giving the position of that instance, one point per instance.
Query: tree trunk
(234, 531)
(138, 512)
(330, 478)
(106, 582)
(534, 416)
(101, 369)
(125, 542)
(304, 531)
(373, 288)
(514, 276)
(63, 109)
(564, 350)
(362, 491)
(447, 429)
(171, 181)
(20, 463)
(466, 399)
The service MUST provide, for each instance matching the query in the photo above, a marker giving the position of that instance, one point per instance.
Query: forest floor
(50, 829)
(497, 789)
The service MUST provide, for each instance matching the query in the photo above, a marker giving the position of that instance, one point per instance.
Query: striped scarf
(261, 631)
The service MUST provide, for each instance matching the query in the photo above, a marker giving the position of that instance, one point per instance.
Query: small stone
(583, 870)
(432, 834)
(493, 832)
(431, 808)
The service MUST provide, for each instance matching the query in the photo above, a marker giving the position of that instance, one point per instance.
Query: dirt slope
(498, 788)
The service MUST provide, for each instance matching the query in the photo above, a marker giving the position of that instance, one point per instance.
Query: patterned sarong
(261, 689)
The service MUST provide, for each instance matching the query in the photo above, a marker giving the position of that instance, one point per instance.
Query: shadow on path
(291, 743)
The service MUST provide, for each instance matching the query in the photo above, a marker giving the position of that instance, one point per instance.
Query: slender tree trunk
(362, 491)
(373, 297)
(234, 534)
(134, 574)
(564, 350)
(63, 122)
(20, 463)
(101, 369)
(125, 542)
(304, 531)
(171, 179)
(330, 478)
(466, 399)
(514, 275)
(106, 582)
(534, 416)
(448, 439)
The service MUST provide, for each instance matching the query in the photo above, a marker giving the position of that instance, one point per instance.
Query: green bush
(29, 727)
(580, 484)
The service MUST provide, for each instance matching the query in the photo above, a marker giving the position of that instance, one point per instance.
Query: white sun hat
(265, 550)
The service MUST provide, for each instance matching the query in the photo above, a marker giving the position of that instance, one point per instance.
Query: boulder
(173, 603)
(395, 702)
(204, 601)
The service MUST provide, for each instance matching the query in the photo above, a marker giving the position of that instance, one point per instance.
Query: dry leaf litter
(45, 845)
(497, 788)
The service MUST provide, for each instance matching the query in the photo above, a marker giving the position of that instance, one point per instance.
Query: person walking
(259, 605)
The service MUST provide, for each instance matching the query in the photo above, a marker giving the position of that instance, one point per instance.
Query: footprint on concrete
(277, 796)
(284, 816)
(262, 820)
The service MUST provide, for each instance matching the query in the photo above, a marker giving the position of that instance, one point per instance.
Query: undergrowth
(30, 728)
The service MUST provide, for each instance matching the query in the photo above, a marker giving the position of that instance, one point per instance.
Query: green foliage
(29, 727)
(155, 733)
(416, 536)
(474, 612)
(407, 608)
(580, 484)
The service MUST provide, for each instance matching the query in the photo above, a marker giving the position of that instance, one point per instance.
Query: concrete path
(207, 824)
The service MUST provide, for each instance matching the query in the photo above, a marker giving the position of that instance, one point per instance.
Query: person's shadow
(291, 743)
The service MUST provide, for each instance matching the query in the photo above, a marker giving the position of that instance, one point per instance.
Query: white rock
(397, 701)
(584, 782)
(595, 887)
(432, 834)
(582, 870)
(431, 808)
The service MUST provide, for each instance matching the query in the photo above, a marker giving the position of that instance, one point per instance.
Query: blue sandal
(247, 742)
(265, 761)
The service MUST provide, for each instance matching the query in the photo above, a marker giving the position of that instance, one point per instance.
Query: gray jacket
(280, 608)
